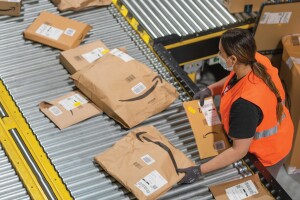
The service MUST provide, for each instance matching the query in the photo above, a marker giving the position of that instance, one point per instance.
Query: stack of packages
(125, 89)
(290, 75)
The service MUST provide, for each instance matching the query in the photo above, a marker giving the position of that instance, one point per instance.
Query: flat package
(236, 6)
(207, 128)
(57, 31)
(290, 75)
(249, 188)
(10, 7)
(69, 109)
(75, 59)
(124, 88)
(65, 5)
(144, 162)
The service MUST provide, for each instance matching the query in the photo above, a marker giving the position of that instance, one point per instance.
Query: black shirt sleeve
(244, 119)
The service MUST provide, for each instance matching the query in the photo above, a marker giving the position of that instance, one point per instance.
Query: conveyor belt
(31, 73)
(163, 18)
(11, 186)
(189, 29)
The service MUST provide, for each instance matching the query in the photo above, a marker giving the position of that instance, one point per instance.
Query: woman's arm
(216, 88)
(238, 150)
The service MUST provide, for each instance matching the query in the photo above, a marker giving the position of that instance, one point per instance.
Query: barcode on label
(241, 191)
(148, 159)
(249, 187)
(138, 88)
(69, 32)
(151, 183)
(55, 110)
(49, 31)
(219, 145)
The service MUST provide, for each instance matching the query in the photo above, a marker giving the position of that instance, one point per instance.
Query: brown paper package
(73, 59)
(64, 118)
(236, 192)
(75, 5)
(128, 91)
(57, 31)
(143, 167)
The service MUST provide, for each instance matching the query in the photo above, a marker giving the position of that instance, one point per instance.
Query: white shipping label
(210, 112)
(14, 1)
(151, 183)
(264, 18)
(70, 32)
(55, 110)
(49, 31)
(124, 56)
(290, 62)
(241, 191)
(276, 18)
(94, 54)
(72, 102)
(148, 159)
(138, 88)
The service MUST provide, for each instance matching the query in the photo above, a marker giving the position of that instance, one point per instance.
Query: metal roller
(11, 186)
(181, 17)
(32, 73)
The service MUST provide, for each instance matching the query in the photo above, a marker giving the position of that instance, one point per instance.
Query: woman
(252, 107)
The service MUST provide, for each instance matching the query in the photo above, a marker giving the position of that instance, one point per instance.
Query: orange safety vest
(272, 141)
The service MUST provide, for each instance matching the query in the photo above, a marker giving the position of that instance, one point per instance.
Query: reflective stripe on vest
(268, 132)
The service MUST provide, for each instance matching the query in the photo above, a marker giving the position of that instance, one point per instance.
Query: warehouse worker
(252, 107)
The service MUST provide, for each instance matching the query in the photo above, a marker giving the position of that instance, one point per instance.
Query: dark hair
(241, 44)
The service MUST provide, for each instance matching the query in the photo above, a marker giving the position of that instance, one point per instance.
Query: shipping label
(49, 31)
(124, 56)
(210, 112)
(55, 110)
(241, 191)
(70, 32)
(151, 183)
(73, 102)
(219, 145)
(290, 62)
(275, 18)
(94, 54)
(148, 159)
(138, 88)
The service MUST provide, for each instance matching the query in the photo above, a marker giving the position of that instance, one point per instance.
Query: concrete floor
(290, 183)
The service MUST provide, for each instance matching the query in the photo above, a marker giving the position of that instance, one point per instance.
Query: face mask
(222, 62)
